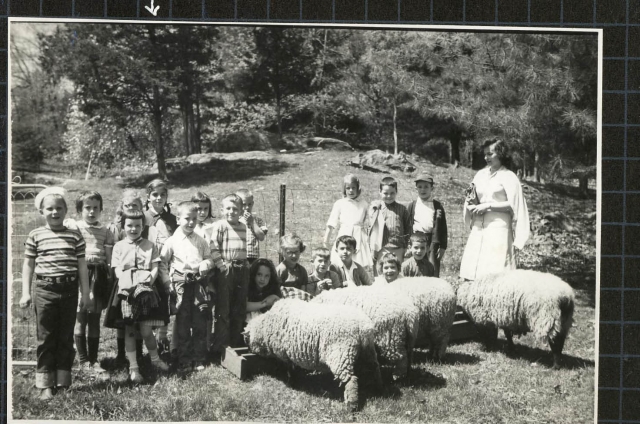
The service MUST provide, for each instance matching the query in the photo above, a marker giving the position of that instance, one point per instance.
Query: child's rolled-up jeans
(231, 304)
(191, 320)
(55, 302)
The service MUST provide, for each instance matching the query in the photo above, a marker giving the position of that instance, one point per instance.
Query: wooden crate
(242, 363)
(462, 329)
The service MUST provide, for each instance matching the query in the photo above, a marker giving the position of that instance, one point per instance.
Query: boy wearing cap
(428, 217)
(57, 256)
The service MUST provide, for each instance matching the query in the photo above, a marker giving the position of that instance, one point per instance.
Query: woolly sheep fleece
(436, 302)
(394, 317)
(326, 338)
(521, 301)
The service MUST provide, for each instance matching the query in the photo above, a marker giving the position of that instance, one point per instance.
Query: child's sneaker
(135, 376)
(160, 365)
(199, 366)
(46, 394)
(96, 368)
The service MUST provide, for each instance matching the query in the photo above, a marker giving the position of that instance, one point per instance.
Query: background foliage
(115, 93)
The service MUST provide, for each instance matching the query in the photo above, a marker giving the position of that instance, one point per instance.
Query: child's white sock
(133, 362)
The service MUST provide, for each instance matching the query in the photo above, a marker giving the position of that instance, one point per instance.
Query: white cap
(47, 191)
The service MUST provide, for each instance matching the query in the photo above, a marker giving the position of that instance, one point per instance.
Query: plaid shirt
(253, 244)
(293, 293)
(228, 242)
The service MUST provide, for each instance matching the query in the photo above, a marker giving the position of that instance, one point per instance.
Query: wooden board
(462, 329)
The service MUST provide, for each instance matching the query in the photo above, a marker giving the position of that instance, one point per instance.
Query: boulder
(245, 141)
(379, 161)
(327, 143)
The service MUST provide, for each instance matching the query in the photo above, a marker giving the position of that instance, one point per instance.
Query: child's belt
(59, 279)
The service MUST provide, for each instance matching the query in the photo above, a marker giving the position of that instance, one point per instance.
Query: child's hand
(86, 302)
(326, 284)
(203, 269)
(25, 300)
(440, 253)
(247, 216)
(222, 267)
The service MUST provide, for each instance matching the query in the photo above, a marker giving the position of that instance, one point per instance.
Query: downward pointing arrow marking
(151, 9)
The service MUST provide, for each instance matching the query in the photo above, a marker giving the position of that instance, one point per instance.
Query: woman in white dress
(348, 217)
(499, 222)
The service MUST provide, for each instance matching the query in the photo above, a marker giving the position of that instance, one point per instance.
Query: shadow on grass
(450, 358)
(545, 357)
(216, 171)
(424, 379)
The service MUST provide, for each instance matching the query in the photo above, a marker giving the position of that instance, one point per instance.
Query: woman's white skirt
(489, 248)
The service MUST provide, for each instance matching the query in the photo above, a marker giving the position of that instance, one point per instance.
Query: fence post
(283, 198)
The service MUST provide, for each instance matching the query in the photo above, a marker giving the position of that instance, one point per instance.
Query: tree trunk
(395, 129)
(157, 129)
(276, 89)
(184, 113)
(454, 154)
(536, 166)
(584, 185)
(195, 130)
(86, 176)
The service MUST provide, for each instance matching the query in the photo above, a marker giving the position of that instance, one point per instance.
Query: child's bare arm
(83, 274)
(28, 267)
(257, 231)
(154, 271)
(327, 235)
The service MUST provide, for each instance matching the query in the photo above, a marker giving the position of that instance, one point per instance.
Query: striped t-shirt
(56, 251)
(228, 242)
(98, 238)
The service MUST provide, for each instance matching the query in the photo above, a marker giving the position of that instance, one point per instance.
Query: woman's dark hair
(501, 148)
(274, 283)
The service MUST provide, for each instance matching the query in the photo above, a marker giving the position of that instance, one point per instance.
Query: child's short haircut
(389, 181)
(127, 214)
(233, 198)
(417, 237)
(201, 197)
(132, 194)
(292, 241)
(244, 192)
(157, 185)
(388, 258)
(87, 195)
(187, 206)
(350, 179)
(320, 252)
(347, 240)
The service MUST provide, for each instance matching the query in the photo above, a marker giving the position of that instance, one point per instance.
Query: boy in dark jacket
(428, 217)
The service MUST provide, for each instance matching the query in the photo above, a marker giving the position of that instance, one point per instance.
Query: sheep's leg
(489, 335)
(557, 344)
(351, 393)
(370, 358)
(511, 348)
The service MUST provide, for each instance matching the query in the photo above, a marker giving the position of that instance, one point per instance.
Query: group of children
(150, 265)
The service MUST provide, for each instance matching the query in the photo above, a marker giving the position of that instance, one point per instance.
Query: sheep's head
(246, 335)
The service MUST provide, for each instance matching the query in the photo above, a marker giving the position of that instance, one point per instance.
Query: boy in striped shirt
(229, 254)
(57, 256)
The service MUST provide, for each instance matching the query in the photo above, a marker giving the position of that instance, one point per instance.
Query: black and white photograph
(302, 223)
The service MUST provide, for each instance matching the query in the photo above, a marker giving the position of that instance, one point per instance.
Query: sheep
(520, 301)
(394, 317)
(436, 302)
(325, 338)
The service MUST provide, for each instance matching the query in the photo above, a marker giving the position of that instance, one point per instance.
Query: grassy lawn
(470, 386)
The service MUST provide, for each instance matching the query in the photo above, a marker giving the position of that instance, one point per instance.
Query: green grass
(470, 386)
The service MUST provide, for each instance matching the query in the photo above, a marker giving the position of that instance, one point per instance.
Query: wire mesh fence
(306, 211)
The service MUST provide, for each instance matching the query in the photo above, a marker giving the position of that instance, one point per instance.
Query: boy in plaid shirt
(256, 228)
(229, 254)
